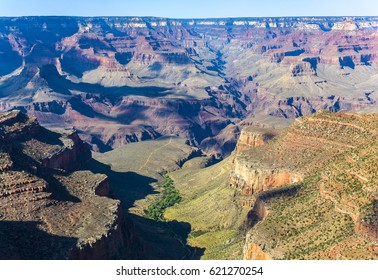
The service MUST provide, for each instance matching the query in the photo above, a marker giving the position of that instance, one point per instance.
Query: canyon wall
(125, 79)
(49, 209)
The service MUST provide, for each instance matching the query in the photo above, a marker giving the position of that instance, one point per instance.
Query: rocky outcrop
(14, 182)
(66, 215)
(250, 180)
(258, 212)
(302, 69)
(60, 151)
(73, 155)
(192, 154)
(222, 144)
(252, 137)
(253, 252)
(108, 246)
(15, 126)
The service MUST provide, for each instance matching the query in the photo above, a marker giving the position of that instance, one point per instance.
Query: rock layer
(121, 80)
(252, 137)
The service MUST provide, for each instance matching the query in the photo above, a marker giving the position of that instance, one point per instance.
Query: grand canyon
(156, 138)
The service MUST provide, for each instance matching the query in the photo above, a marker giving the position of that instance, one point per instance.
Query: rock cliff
(252, 137)
(49, 209)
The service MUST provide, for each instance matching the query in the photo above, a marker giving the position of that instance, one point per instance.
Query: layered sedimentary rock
(119, 80)
(45, 211)
(251, 137)
(312, 191)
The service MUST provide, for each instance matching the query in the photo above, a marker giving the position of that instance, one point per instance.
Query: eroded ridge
(330, 159)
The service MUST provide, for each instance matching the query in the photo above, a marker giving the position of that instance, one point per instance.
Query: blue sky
(190, 8)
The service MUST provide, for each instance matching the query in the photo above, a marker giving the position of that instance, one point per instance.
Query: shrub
(170, 197)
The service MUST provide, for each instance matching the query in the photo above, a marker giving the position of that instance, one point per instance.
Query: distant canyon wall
(124, 79)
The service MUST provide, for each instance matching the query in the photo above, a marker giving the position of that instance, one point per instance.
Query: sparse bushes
(170, 197)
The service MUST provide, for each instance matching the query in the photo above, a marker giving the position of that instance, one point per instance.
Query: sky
(190, 8)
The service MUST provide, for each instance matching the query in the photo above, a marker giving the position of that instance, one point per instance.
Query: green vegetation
(170, 197)
(208, 205)
(145, 163)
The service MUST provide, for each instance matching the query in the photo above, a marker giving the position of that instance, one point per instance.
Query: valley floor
(206, 224)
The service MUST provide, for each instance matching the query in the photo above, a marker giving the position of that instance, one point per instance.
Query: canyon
(267, 126)
(59, 199)
(308, 191)
(118, 80)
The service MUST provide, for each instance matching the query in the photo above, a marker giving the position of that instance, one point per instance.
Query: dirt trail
(154, 151)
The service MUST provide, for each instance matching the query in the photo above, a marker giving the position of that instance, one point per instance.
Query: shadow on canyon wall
(152, 239)
(25, 241)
